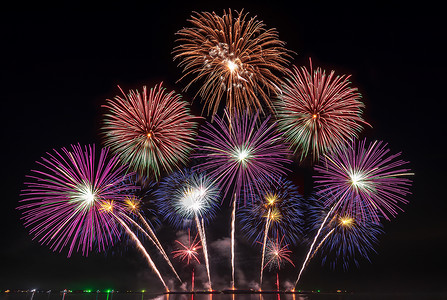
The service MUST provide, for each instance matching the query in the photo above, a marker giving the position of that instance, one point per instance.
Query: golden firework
(234, 58)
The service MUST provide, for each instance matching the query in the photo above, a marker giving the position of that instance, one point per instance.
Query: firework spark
(277, 254)
(151, 131)
(62, 201)
(235, 58)
(364, 181)
(318, 113)
(185, 194)
(108, 207)
(188, 252)
(280, 206)
(241, 154)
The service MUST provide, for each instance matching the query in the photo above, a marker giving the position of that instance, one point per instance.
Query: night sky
(59, 64)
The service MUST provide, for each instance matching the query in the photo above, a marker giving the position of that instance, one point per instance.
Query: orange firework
(235, 58)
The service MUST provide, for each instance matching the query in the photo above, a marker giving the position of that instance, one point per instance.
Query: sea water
(149, 296)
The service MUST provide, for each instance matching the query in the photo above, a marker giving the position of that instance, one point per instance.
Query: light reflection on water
(148, 296)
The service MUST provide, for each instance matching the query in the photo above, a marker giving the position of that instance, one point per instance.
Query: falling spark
(108, 207)
(155, 241)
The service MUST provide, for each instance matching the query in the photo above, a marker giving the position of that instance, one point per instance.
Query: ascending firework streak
(312, 245)
(264, 242)
(133, 206)
(108, 206)
(201, 230)
(233, 225)
(155, 241)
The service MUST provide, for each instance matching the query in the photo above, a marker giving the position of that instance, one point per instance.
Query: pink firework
(364, 180)
(188, 252)
(242, 154)
(64, 199)
(318, 113)
(151, 131)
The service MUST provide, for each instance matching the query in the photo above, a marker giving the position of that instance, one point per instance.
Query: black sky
(59, 64)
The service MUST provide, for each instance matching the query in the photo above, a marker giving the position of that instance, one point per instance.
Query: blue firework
(186, 194)
(280, 204)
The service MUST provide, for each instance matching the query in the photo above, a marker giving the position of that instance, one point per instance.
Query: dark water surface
(148, 296)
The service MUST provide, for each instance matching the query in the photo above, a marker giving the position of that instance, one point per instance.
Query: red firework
(188, 252)
(150, 131)
(318, 113)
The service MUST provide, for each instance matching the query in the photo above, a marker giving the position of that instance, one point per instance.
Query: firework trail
(347, 236)
(234, 58)
(321, 243)
(188, 252)
(233, 227)
(108, 206)
(352, 238)
(264, 244)
(156, 243)
(318, 113)
(189, 196)
(364, 181)
(61, 201)
(151, 131)
(312, 245)
(201, 232)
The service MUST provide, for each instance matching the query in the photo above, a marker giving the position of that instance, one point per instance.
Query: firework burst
(239, 153)
(279, 206)
(188, 252)
(151, 131)
(63, 201)
(364, 181)
(186, 194)
(346, 239)
(235, 58)
(277, 254)
(318, 113)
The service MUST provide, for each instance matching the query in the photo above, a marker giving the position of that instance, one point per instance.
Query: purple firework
(239, 153)
(364, 180)
(63, 202)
